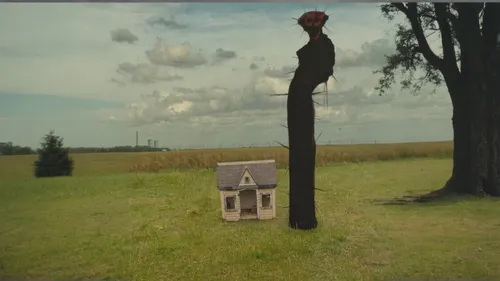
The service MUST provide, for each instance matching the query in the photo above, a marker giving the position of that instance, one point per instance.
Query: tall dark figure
(316, 61)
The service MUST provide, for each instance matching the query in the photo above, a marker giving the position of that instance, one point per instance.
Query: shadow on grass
(440, 197)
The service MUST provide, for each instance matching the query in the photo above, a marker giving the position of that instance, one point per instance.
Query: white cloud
(145, 73)
(196, 105)
(372, 54)
(179, 55)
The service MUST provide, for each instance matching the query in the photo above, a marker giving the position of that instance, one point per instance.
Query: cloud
(220, 105)
(359, 96)
(222, 55)
(253, 66)
(120, 83)
(425, 99)
(206, 104)
(285, 71)
(259, 58)
(169, 24)
(180, 56)
(122, 35)
(145, 73)
(372, 55)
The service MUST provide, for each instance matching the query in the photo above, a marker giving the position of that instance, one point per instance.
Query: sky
(197, 75)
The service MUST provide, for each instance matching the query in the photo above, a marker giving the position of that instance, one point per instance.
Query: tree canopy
(415, 58)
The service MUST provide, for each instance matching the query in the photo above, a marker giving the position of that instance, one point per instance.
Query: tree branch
(411, 13)
(449, 55)
(454, 23)
(401, 7)
(491, 25)
(469, 28)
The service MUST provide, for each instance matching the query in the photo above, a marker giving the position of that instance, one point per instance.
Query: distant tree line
(127, 148)
(10, 149)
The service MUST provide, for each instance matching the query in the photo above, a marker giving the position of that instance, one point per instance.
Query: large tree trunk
(470, 152)
(492, 185)
(476, 160)
(476, 128)
(491, 34)
(474, 94)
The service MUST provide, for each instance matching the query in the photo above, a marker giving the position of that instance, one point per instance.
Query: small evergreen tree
(53, 158)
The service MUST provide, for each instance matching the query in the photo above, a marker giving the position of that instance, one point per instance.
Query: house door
(248, 203)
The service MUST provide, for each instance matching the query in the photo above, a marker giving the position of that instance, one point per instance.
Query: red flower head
(312, 22)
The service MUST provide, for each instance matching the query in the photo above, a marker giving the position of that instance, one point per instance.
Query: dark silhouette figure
(316, 61)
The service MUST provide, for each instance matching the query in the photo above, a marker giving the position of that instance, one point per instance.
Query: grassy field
(108, 224)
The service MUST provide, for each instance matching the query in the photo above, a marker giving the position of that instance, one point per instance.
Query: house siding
(230, 216)
(266, 214)
(263, 214)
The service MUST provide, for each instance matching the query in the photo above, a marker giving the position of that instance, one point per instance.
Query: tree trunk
(470, 150)
(474, 94)
(492, 186)
(476, 139)
(491, 35)
(493, 109)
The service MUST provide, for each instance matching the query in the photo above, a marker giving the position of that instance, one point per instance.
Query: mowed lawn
(167, 226)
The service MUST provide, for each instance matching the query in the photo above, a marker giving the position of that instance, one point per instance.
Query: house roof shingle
(262, 171)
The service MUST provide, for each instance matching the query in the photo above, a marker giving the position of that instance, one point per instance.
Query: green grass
(167, 226)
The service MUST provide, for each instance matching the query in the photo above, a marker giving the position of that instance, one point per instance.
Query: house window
(266, 201)
(247, 180)
(231, 203)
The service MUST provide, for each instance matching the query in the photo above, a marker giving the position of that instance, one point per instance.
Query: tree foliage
(415, 58)
(53, 158)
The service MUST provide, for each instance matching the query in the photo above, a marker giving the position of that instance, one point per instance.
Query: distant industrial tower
(150, 143)
(155, 144)
(136, 138)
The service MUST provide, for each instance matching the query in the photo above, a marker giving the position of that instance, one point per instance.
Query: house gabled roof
(263, 173)
(246, 178)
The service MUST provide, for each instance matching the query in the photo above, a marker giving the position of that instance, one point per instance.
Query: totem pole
(316, 61)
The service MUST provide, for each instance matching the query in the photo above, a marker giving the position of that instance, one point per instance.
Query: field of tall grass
(113, 163)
